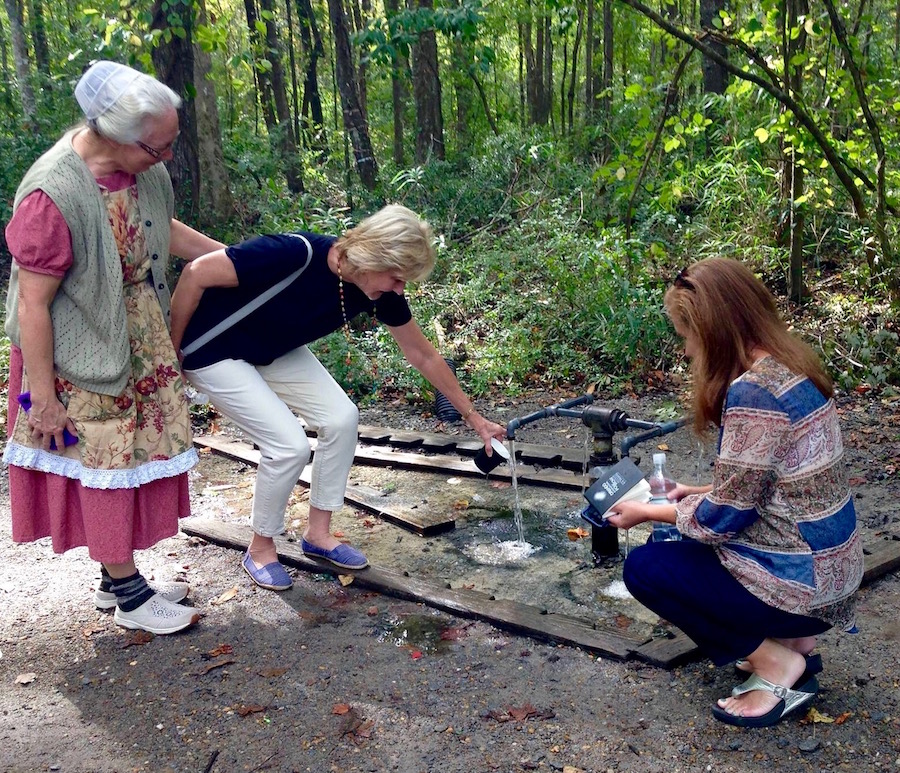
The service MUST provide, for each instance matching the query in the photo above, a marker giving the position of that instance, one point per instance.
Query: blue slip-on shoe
(343, 555)
(271, 576)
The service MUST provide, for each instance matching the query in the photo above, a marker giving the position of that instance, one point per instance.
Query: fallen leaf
(523, 712)
(577, 533)
(222, 649)
(817, 717)
(254, 708)
(460, 504)
(90, 631)
(137, 639)
(500, 484)
(623, 621)
(858, 481)
(226, 596)
(268, 673)
(453, 634)
(217, 664)
(340, 708)
(369, 523)
(663, 447)
(345, 579)
(338, 534)
(365, 729)
(26, 678)
(415, 654)
(843, 718)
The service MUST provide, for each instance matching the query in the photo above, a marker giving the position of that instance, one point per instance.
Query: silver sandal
(790, 698)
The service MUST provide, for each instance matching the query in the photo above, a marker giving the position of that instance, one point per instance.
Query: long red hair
(729, 313)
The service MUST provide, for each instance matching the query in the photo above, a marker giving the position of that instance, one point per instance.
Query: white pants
(259, 399)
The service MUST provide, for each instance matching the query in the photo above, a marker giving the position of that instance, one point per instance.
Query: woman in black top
(254, 364)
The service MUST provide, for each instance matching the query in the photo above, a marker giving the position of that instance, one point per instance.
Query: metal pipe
(630, 441)
(552, 410)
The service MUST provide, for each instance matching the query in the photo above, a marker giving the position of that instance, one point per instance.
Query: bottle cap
(659, 458)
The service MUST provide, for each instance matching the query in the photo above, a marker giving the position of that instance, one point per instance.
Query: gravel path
(333, 678)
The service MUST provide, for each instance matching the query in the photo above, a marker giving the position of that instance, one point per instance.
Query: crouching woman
(772, 555)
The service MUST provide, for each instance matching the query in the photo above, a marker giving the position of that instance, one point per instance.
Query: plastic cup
(487, 463)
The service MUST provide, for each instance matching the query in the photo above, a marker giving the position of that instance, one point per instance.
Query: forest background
(572, 156)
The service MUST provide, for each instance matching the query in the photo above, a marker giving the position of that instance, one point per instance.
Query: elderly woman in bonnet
(99, 432)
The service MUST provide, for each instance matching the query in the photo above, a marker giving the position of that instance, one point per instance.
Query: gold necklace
(343, 307)
(344, 312)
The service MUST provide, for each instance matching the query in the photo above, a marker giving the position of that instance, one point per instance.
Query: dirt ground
(333, 678)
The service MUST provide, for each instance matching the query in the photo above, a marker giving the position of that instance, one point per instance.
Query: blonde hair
(729, 312)
(393, 239)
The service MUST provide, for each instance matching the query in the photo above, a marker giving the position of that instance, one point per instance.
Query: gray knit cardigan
(90, 332)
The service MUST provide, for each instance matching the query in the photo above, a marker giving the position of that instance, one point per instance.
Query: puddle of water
(420, 632)
(485, 552)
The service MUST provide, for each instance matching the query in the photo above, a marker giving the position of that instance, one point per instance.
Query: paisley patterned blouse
(780, 513)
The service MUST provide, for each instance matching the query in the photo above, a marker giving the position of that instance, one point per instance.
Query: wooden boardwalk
(881, 557)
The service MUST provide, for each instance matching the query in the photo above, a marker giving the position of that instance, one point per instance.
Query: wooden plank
(667, 653)
(882, 558)
(406, 460)
(421, 522)
(509, 615)
(529, 453)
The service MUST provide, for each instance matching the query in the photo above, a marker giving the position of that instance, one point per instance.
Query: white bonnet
(101, 86)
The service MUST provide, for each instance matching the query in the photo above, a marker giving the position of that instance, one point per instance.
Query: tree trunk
(606, 100)
(575, 46)
(547, 90)
(216, 202)
(789, 230)
(272, 94)
(39, 42)
(20, 56)
(465, 95)
(313, 117)
(174, 63)
(427, 94)
(295, 88)
(285, 133)
(360, 14)
(4, 67)
(399, 91)
(714, 75)
(897, 32)
(535, 80)
(589, 62)
(354, 121)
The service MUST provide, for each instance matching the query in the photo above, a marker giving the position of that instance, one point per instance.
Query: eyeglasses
(682, 281)
(153, 151)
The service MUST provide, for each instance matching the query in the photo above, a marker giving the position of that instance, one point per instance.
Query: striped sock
(131, 592)
(105, 580)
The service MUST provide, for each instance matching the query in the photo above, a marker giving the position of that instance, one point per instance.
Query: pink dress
(124, 486)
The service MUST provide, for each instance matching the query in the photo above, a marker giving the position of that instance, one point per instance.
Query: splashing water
(616, 590)
(500, 553)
